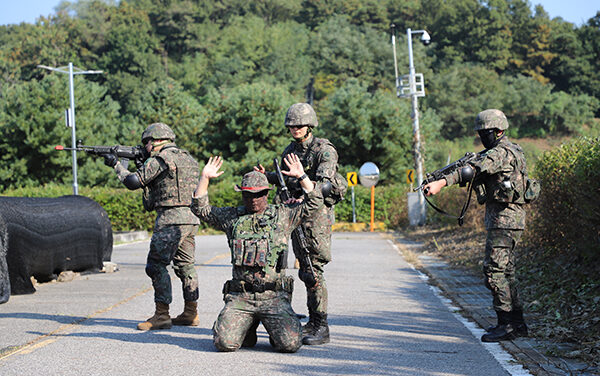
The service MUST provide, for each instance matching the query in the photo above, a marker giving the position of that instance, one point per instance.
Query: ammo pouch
(532, 190)
(249, 252)
(339, 186)
(480, 193)
(284, 284)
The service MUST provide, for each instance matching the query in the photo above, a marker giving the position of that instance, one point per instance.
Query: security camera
(425, 39)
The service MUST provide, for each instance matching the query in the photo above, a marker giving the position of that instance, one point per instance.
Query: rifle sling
(463, 211)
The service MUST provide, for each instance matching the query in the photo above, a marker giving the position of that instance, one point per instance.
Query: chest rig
(509, 186)
(253, 240)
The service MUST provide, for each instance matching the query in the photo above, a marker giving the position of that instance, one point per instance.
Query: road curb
(131, 236)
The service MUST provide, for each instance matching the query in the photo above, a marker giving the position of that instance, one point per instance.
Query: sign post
(352, 180)
(369, 176)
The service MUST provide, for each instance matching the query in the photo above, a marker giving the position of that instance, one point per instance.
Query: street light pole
(70, 114)
(414, 89)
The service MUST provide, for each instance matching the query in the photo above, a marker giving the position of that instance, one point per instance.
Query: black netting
(49, 235)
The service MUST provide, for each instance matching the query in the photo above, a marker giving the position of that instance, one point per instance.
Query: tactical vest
(175, 186)
(509, 187)
(252, 242)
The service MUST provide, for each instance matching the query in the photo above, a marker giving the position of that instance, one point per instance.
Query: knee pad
(151, 270)
(224, 347)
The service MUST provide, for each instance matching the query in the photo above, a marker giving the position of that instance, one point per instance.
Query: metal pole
(73, 136)
(395, 60)
(415, 117)
(353, 207)
(70, 115)
(372, 208)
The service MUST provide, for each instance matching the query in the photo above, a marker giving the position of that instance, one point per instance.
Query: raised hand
(294, 165)
(260, 168)
(211, 169)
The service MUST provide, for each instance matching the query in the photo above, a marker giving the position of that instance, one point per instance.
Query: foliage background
(223, 73)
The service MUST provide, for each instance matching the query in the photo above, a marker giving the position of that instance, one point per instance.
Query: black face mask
(488, 138)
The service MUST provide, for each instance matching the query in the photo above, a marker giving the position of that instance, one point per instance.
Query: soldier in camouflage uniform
(320, 161)
(258, 235)
(168, 178)
(500, 182)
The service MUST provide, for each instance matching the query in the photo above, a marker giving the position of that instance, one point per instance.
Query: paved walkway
(470, 295)
(384, 319)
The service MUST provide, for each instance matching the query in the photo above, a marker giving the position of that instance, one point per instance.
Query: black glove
(110, 160)
(138, 163)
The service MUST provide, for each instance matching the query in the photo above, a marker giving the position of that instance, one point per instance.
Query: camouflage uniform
(501, 182)
(319, 159)
(168, 179)
(259, 290)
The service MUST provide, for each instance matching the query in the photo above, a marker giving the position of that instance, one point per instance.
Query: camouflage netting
(4, 281)
(42, 237)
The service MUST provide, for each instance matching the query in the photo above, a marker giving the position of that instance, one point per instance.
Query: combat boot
(189, 316)
(518, 322)
(160, 320)
(310, 325)
(501, 333)
(503, 319)
(320, 332)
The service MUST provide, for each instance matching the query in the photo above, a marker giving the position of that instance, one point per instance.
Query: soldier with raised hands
(257, 235)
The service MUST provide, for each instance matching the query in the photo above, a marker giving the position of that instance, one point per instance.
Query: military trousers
(176, 244)
(499, 268)
(242, 310)
(317, 230)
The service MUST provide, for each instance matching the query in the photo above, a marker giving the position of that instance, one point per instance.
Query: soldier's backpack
(532, 190)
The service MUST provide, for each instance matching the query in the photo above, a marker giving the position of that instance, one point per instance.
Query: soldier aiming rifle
(499, 177)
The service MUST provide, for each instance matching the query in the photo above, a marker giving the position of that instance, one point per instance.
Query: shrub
(390, 205)
(570, 176)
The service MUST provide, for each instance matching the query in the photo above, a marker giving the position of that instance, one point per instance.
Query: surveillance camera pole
(413, 90)
(415, 118)
(70, 114)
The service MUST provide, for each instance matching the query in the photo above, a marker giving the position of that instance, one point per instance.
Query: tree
(374, 127)
(165, 101)
(129, 55)
(533, 54)
(459, 92)
(33, 123)
(341, 51)
(246, 124)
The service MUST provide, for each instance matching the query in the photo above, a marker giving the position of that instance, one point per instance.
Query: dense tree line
(222, 73)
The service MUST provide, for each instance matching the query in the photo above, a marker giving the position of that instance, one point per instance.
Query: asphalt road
(384, 320)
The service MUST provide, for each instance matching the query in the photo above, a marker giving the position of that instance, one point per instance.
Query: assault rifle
(306, 271)
(136, 153)
(466, 175)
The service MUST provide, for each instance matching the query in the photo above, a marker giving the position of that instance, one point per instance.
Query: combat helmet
(158, 131)
(491, 119)
(301, 114)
